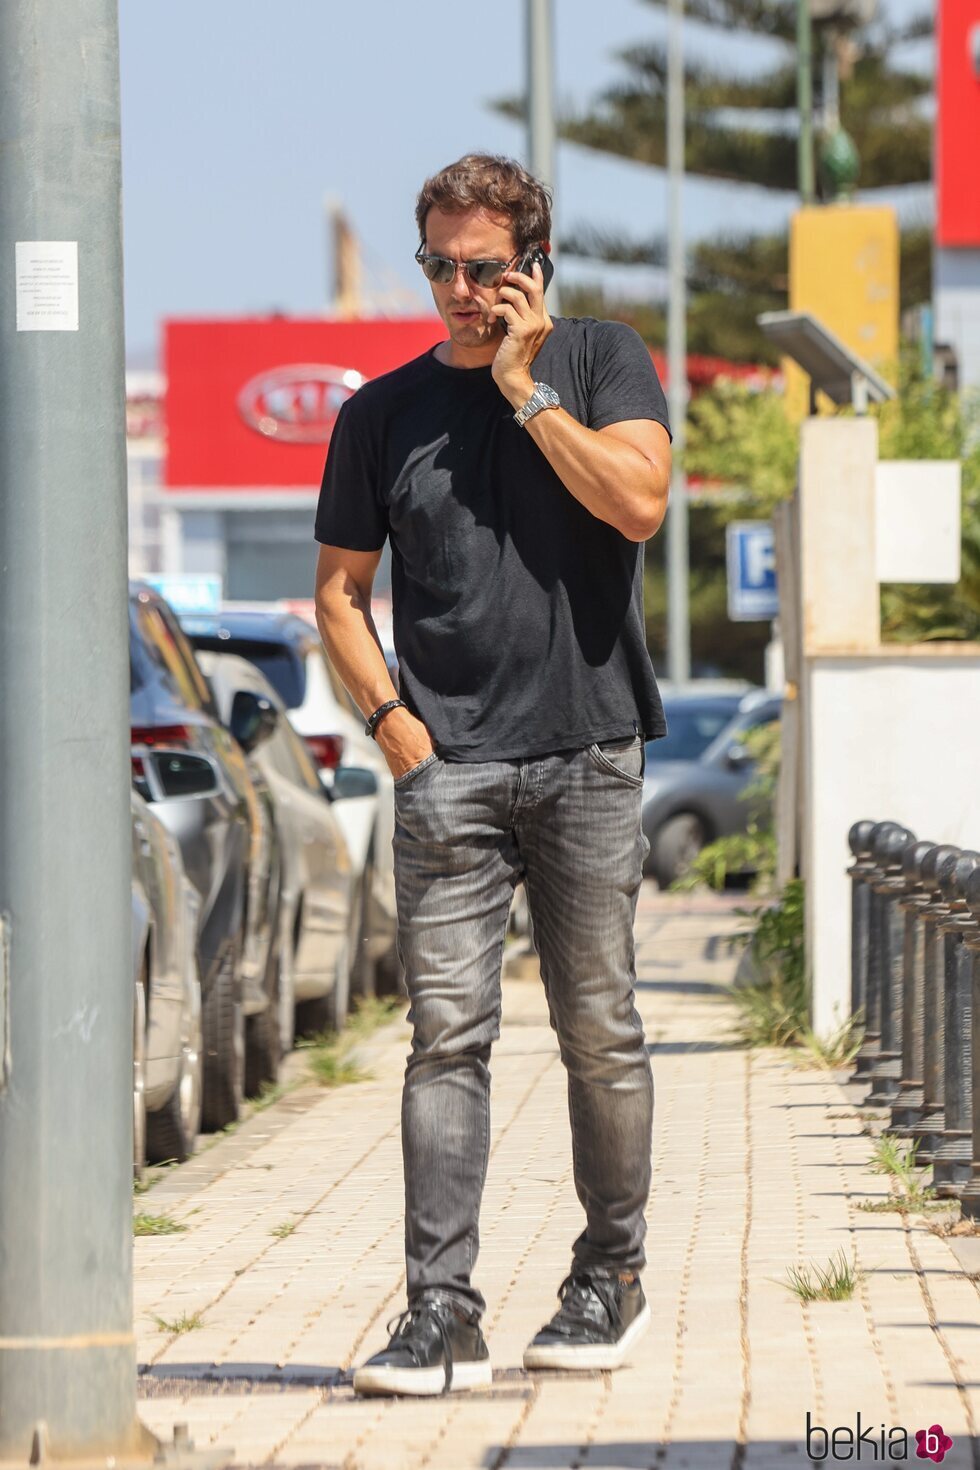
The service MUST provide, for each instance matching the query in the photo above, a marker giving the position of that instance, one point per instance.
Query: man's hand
(405, 742)
(528, 326)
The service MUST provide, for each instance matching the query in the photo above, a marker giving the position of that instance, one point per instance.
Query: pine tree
(743, 129)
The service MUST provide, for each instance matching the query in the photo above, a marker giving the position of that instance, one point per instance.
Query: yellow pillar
(843, 269)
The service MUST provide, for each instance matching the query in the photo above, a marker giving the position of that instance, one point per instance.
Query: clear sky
(240, 117)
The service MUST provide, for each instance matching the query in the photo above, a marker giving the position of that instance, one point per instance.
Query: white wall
(895, 735)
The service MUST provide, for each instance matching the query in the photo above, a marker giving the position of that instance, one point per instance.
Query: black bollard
(859, 841)
(931, 1119)
(868, 1055)
(888, 888)
(952, 1154)
(970, 1195)
(908, 1105)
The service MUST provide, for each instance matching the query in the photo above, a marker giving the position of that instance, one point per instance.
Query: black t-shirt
(518, 615)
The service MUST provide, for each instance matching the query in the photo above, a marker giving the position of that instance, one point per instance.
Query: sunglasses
(441, 270)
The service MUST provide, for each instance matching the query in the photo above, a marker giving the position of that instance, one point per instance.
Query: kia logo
(297, 405)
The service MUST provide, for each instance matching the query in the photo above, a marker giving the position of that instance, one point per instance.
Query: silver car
(696, 779)
(167, 1048)
(322, 914)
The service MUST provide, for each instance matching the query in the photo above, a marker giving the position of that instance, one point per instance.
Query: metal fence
(915, 977)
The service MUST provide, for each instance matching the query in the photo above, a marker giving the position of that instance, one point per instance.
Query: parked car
(194, 774)
(689, 801)
(322, 910)
(695, 717)
(288, 651)
(167, 1041)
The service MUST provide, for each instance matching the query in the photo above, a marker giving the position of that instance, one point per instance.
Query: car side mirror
(351, 781)
(738, 756)
(253, 719)
(180, 775)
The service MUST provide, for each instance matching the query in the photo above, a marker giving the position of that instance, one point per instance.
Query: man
(517, 469)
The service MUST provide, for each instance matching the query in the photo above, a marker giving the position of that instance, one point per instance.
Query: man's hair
(499, 185)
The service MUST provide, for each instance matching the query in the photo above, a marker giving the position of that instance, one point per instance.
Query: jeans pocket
(621, 758)
(407, 776)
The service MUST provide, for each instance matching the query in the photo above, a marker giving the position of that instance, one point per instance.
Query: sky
(240, 118)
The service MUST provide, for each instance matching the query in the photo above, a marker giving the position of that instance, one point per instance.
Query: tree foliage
(744, 128)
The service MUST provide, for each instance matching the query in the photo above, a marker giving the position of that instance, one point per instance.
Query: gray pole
(804, 101)
(67, 1356)
(678, 614)
(541, 109)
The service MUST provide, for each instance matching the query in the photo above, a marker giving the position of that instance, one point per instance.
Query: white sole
(591, 1355)
(421, 1382)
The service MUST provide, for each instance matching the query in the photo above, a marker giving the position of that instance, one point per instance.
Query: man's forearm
(343, 616)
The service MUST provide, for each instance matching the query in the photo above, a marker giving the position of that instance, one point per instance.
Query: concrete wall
(890, 734)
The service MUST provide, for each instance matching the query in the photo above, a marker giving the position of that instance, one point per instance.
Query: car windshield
(283, 668)
(693, 726)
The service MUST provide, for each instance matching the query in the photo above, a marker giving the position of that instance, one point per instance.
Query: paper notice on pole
(47, 285)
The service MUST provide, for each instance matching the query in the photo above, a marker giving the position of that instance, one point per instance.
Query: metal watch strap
(375, 719)
(543, 396)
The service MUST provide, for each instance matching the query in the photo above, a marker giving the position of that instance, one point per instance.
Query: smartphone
(535, 254)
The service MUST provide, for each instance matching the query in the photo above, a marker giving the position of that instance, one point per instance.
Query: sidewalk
(758, 1166)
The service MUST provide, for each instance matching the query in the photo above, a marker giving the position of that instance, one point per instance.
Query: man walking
(517, 469)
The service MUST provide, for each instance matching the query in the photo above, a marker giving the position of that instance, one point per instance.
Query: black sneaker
(600, 1319)
(434, 1348)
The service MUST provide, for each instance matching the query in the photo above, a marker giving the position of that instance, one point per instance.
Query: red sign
(252, 402)
(958, 124)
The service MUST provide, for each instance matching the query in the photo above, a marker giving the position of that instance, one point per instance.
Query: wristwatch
(542, 397)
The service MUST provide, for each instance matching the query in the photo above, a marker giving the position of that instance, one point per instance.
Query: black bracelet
(379, 714)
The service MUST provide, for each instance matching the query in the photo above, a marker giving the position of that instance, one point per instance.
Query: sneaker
(434, 1348)
(599, 1321)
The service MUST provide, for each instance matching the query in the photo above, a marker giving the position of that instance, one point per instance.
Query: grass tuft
(329, 1057)
(835, 1282)
(183, 1323)
(285, 1229)
(156, 1225)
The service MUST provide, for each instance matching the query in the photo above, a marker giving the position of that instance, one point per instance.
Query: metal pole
(678, 613)
(67, 1355)
(804, 100)
(541, 109)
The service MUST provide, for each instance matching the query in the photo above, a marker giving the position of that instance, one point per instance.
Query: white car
(288, 651)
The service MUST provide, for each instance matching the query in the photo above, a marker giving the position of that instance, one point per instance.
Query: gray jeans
(465, 834)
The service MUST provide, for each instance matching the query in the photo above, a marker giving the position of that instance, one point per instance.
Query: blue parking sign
(751, 555)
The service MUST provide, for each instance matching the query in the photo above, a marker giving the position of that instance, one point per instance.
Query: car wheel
(139, 1076)
(287, 993)
(675, 847)
(224, 1046)
(363, 977)
(172, 1130)
(263, 1038)
(327, 1012)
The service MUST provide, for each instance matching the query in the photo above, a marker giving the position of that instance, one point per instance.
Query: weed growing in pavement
(372, 1012)
(286, 1228)
(328, 1055)
(327, 1063)
(156, 1225)
(836, 1050)
(150, 1177)
(835, 1282)
(896, 1160)
(183, 1323)
(776, 1010)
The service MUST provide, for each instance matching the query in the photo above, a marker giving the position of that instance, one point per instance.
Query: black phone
(535, 254)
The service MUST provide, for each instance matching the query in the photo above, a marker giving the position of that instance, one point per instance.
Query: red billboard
(958, 124)
(252, 402)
